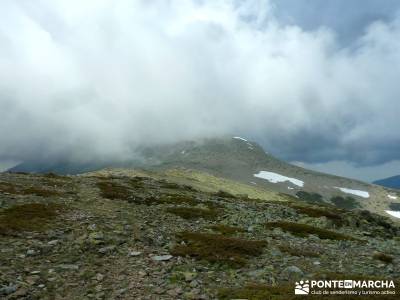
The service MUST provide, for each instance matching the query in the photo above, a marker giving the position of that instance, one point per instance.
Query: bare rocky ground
(121, 237)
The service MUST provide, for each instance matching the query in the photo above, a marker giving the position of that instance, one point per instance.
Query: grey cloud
(95, 80)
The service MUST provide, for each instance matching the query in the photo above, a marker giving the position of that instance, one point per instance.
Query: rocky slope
(124, 234)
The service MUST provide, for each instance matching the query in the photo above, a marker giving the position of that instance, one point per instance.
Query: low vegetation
(304, 230)
(226, 230)
(40, 192)
(217, 248)
(331, 214)
(224, 194)
(310, 197)
(346, 203)
(297, 251)
(383, 257)
(190, 213)
(113, 191)
(13, 189)
(9, 188)
(28, 217)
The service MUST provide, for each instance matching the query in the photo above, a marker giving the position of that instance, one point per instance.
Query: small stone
(7, 290)
(68, 267)
(189, 276)
(107, 249)
(162, 257)
(292, 273)
(31, 280)
(121, 291)
(194, 284)
(41, 286)
(99, 277)
(35, 272)
(53, 242)
(159, 290)
(134, 253)
(30, 252)
(316, 263)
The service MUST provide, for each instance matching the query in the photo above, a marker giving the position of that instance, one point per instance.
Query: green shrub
(28, 217)
(309, 197)
(193, 213)
(217, 248)
(383, 257)
(346, 203)
(303, 230)
(226, 230)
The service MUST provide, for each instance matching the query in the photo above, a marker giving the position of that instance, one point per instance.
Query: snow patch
(290, 188)
(252, 182)
(240, 138)
(393, 213)
(392, 197)
(275, 178)
(359, 193)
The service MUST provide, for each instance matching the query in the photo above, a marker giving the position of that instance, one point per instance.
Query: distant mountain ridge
(390, 182)
(244, 161)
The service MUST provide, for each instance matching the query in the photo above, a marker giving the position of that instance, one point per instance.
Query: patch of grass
(224, 194)
(297, 251)
(383, 257)
(113, 191)
(28, 217)
(40, 192)
(309, 197)
(137, 182)
(6, 187)
(52, 175)
(303, 230)
(226, 230)
(319, 212)
(217, 248)
(178, 199)
(9, 188)
(346, 203)
(193, 213)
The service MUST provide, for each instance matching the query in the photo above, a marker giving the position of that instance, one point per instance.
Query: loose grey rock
(292, 273)
(162, 257)
(7, 290)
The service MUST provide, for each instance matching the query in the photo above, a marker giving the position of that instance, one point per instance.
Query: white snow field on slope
(275, 178)
(393, 213)
(359, 193)
(392, 197)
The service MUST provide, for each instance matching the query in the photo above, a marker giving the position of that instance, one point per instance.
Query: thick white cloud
(93, 80)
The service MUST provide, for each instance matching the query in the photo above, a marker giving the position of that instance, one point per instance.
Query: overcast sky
(313, 81)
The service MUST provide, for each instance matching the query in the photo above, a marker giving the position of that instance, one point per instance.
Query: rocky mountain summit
(178, 234)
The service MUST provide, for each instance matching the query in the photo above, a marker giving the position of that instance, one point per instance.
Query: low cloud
(92, 81)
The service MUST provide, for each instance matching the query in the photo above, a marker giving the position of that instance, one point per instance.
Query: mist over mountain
(91, 82)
